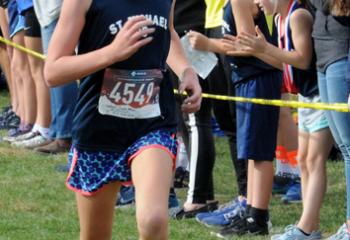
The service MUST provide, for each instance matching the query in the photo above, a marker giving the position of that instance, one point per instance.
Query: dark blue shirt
(93, 131)
(246, 67)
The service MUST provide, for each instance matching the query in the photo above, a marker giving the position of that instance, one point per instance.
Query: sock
(44, 132)
(293, 162)
(306, 234)
(261, 216)
(248, 209)
(286, 163)
(281, 160)
(35, 128)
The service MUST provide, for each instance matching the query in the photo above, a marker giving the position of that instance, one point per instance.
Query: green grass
(35, 204)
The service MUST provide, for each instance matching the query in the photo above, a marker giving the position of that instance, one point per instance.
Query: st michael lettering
(157, 20)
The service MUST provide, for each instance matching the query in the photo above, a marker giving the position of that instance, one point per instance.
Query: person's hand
(131, 37)
(349, 102)
(233, 48)
(190, 85)
(198, 41)
(253, 43)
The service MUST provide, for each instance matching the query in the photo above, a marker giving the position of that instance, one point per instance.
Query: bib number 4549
(128, 93)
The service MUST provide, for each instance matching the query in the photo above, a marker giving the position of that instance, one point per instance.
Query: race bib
(131, 94)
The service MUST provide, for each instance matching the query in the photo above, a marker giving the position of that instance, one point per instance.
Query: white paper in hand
(202, 62)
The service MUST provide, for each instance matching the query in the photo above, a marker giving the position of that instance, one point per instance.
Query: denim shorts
(311, 120)
(91, 170)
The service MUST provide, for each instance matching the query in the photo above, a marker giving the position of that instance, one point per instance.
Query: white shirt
(47, 11)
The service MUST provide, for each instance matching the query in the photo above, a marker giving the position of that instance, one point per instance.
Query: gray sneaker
(294, 233)
(342, 234)
(21, 137)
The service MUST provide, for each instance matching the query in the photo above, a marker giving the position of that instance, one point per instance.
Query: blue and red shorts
(91, 170)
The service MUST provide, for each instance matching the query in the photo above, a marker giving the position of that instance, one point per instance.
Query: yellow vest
(214, 13)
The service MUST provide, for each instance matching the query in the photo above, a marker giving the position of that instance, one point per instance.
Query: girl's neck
(284, 7)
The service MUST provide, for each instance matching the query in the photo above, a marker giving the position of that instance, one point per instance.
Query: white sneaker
(342, 233)
(34, 142)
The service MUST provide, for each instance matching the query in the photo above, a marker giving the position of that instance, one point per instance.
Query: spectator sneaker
(225, 208)
(21, 137)
(126, 197)
(243, 226)
(32, 143)
(281, 184)
(293, 194)
(294, 233)
(342, 234)
(226, 217)
(173, 205)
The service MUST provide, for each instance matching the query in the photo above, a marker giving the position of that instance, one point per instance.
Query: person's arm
(178, 62)
(234, 48)
(62, 67)
(244, 11)
(301, 27)
(201, 42)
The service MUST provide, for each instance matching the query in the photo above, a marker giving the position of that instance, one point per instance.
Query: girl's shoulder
(301, 15)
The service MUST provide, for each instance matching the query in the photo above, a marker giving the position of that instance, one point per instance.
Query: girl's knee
(316, 163)
(152, 224)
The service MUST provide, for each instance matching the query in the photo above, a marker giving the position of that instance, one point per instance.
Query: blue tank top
(94, 131)
(24, 5)
(246, 67)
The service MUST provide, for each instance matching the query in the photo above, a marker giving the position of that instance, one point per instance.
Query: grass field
(35, 204)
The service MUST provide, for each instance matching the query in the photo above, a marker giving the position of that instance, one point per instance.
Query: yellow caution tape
(339, 107)
(23, 49)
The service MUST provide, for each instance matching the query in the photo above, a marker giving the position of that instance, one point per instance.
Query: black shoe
(13, 122)
(244, 226)
(209, 207)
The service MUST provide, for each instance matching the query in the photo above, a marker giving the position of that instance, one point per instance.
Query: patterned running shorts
(91, 170)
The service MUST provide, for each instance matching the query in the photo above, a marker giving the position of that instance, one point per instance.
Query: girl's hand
(190, 84)
(254, 44)
(233, 47)
(198, 41)
(131, 37)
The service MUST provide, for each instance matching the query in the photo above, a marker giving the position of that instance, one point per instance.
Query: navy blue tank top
(296, 80)
(246, 67)
(94, 131)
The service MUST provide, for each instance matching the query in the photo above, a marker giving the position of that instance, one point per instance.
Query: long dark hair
(308, 6)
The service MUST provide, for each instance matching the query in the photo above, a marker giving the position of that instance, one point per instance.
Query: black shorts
(32, 26)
